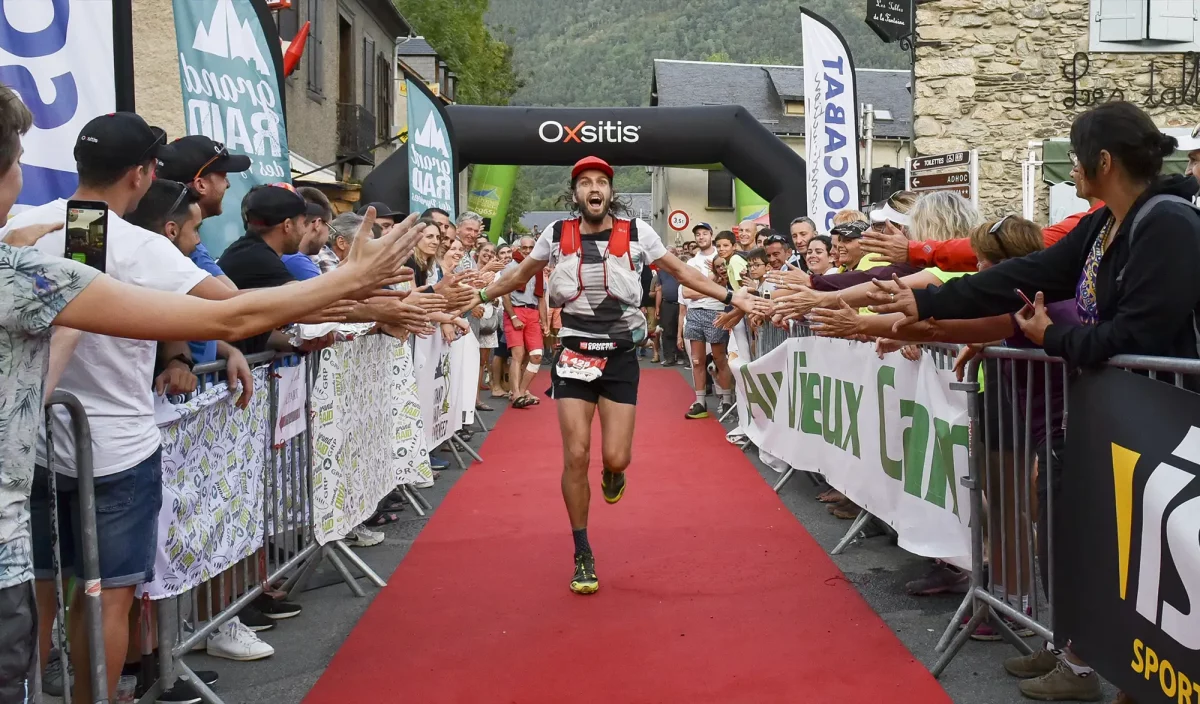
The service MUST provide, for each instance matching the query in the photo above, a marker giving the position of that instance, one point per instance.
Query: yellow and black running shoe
(584, 581)
(698, 410)
(613, 485)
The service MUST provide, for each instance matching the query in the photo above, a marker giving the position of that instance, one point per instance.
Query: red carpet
(710, 590)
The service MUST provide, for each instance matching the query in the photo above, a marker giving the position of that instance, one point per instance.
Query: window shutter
(720, 189)
(315, 49)
(1173, 20)
(1122, 20)
(368, 59)
(289, 24)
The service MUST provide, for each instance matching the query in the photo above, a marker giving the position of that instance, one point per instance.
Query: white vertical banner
(439, 388)
(464, 357)
(831, 121)
(58, 56)
(289, 412)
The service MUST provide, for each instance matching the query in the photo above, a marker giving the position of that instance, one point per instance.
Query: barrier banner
(439, 384)
(359, 398)
(231, 94)
(889, 434)
(289, 414)
(464, 359)
(213, 455)
(59, 57)
(831, 121)
(1127, 535)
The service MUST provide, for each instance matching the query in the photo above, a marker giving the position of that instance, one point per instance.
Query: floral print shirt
(34, 287)
(1085, 290)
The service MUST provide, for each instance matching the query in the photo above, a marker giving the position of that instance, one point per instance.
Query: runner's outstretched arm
(698, 282)
(505, 285)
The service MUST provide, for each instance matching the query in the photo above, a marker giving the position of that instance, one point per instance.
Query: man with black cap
(385, 215)
(597, 258)
(204, 165)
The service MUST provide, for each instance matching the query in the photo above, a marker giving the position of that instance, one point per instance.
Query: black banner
(1127, 535)
(890, 19)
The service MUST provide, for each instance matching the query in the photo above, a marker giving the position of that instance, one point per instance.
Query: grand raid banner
(432, 181)
(889, 434)
(831, 121)
(1127, 535)
(231, 95)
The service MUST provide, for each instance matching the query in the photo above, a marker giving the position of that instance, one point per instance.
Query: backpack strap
(618, 241)
(1133, 227)
(568, 236)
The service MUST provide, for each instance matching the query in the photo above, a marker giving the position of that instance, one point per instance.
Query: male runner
(596, 258)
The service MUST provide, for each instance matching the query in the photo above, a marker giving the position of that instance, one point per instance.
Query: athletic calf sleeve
(532, 367)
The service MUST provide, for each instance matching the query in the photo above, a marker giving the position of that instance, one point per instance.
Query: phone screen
(87, 233)
(1024, 297)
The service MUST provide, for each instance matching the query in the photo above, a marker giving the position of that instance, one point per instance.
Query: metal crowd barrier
(1012, 540)
(88, 543)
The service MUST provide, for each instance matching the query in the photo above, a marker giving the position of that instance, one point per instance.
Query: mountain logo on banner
(431, 137)
(229, 37)
(1165, 535)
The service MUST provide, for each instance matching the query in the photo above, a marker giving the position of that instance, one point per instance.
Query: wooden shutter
(314, 50)
(1122, 20)
(368, 73)
(1173, 20)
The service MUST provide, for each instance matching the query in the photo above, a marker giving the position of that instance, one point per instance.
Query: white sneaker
(363, 537)
(233, 641)
(424, 485)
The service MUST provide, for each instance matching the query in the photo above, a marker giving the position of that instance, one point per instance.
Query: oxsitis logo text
(602, 132)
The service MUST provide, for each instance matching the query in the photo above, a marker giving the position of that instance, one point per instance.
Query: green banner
(231, 95)
(750, 205)
(1056, 161)
(490, 193)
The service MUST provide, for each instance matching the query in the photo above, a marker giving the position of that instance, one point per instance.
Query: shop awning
(300, 165)
(1056, 165)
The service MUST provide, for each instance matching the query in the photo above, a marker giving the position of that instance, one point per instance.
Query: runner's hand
(746, 302)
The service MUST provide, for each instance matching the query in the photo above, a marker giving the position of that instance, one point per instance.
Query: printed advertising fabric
(432, 182)
(490, 192)
(749, 205)
(362, 396)
(889, 434)
(440, 384)
(58, 56)
(292, 388)
(831, 121)
(213, 455)
(231, 95)
(1127, 535)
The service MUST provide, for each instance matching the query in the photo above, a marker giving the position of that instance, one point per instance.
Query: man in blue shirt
(302, 264)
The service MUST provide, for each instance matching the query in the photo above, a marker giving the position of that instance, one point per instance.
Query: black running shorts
(588, 375)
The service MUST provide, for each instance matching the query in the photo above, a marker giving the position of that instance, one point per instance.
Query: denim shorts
(127, 505)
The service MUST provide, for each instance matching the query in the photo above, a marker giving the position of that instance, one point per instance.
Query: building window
(368, 73)
(720, 189)
(1144, 26)
(314, 50)
(794, 107)
(384, 89)
(288, 21)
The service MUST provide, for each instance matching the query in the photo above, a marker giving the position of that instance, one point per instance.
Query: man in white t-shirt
(116, 157)
(597, 258)
(701, 332)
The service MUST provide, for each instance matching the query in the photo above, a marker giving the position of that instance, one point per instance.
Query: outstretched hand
(894, 297)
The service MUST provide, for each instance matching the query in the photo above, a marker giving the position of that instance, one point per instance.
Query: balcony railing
(356, 133)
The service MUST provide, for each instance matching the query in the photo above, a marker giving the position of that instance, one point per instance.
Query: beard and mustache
(594, 206)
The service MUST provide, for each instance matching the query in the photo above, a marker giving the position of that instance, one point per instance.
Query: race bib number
(574, 365)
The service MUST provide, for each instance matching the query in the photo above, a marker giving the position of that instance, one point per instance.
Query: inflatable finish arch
(647, 136)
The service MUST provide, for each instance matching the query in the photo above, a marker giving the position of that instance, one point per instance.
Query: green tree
(456, 30)
(719, 57)
(520, 203)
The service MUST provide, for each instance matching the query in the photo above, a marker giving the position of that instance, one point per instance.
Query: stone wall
(992, 75)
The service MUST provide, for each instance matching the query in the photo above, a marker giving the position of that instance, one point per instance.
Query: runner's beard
(589, 215)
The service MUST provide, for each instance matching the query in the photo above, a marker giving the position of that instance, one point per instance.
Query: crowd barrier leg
(784, 479)
(91, 595)
(855, 532)
(362, 566)
(418, 501)
(455, 438)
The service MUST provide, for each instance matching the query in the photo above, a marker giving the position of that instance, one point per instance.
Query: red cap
(591, 162)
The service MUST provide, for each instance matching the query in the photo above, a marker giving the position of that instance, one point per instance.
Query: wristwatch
(181, 358)
(728, 297)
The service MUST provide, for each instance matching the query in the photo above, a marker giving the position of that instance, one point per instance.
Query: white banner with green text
(890, 434)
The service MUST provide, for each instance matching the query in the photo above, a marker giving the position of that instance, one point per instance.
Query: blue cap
(699, 225)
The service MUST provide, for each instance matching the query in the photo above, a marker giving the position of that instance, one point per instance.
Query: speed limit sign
(679, 220)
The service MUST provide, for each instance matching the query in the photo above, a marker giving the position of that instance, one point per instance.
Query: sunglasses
(994, 231)
(222, 153)
(184, 192)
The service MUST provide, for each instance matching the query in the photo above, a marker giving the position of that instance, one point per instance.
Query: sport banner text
(889, 434)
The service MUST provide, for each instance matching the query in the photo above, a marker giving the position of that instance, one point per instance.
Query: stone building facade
(993, 75)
